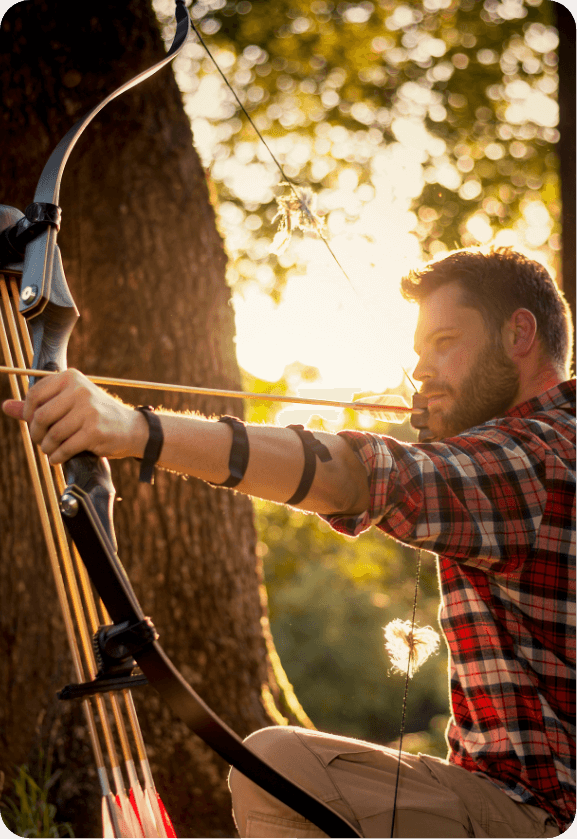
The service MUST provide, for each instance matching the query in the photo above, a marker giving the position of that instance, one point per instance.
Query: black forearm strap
(312, 449)
(153, 446)
(239, 452)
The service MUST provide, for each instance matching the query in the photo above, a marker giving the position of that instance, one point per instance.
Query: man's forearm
(201, 448)
(68, 414)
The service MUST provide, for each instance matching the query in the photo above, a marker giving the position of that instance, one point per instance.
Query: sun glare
(346, 316)
(357, 332)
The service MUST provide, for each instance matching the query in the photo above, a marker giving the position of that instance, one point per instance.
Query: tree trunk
(146, 267)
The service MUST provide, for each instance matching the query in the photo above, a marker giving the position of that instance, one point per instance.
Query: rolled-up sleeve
(478, 497)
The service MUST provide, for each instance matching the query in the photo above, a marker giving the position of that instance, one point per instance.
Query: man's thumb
(13, 408)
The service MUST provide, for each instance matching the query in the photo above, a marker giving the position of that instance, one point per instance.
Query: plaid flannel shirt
(497, 504)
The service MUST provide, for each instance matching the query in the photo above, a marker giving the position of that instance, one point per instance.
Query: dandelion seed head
(409, 646)
(296, 211)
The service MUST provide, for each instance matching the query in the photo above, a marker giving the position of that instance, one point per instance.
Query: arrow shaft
(208, 391)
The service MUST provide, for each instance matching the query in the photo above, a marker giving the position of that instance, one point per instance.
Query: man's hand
(68, 414)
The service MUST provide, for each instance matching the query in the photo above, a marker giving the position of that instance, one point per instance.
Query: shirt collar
(561, 396)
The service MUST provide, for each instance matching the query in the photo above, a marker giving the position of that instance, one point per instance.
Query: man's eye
(443, 342)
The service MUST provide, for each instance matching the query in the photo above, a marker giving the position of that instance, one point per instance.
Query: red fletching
(166, 819)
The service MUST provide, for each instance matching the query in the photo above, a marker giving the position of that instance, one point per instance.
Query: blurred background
(421, 127)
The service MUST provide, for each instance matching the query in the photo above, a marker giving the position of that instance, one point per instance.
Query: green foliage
(330, 597)
(26, 810)
(468, 87)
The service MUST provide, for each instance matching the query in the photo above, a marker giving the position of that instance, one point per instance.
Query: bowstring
(274, 158)
(293, 187)
(406, 692)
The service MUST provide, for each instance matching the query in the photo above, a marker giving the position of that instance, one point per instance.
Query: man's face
(464, 369)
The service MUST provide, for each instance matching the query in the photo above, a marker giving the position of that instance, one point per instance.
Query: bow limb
(42, 258)
(45, 299)
(139, 637)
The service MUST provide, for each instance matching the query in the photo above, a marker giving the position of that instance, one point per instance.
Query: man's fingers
(44, 390)
(13, 408)
(50, 415)
(58, 434)
(68, 414)
(40, 393)
(70, 447)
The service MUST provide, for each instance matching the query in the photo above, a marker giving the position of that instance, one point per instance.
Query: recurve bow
(28, 248)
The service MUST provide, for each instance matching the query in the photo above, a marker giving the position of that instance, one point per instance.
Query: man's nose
(423, 370)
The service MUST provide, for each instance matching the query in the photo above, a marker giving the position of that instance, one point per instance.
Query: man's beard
(488, 391)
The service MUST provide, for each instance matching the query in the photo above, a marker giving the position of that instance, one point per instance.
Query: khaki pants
(357, 779)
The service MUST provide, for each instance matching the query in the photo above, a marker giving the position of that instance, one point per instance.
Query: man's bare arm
(68, 414)
(200, 448)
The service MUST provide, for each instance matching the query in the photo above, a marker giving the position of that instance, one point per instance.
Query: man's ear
(520, 333)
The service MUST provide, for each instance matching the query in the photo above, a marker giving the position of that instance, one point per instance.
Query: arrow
(384, 404)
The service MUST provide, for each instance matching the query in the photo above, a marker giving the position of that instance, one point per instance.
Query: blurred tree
(467, 89)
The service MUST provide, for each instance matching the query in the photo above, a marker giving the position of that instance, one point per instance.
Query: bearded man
(492, 493)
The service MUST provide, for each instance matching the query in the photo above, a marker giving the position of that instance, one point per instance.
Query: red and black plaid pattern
(497, 504)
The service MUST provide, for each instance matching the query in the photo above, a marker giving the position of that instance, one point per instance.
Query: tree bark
(146, 267)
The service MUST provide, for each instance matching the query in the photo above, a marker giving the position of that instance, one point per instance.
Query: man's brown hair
(496, 282)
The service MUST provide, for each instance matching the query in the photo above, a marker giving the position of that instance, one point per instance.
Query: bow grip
(89, 476)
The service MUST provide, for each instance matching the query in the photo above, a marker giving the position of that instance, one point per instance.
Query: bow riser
(46, 303)
(49, 309)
